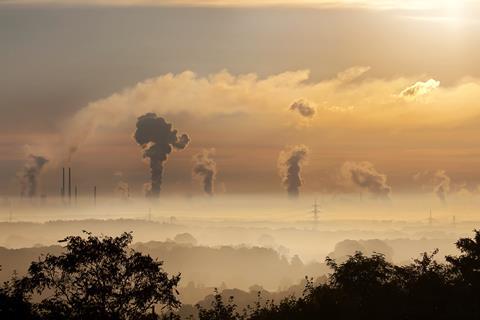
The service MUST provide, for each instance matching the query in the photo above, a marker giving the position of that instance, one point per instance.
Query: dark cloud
(157, 138)
(365, 176)
(206, 168)
(290, 164)
(28, 176)
(304, 108)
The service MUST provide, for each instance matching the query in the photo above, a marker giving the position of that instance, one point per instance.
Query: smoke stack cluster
(290, 164)
(64, 190)
(157, 139)
(28, 176)
(205, 168)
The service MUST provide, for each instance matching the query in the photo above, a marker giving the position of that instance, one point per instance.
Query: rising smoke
(290, 163)
(365, 176)
(304, 108)
(122, 189)
(157, 138)
(438, 180)
(28, 176)
(205, 168)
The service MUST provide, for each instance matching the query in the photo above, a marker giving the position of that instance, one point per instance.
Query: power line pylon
(316, 210)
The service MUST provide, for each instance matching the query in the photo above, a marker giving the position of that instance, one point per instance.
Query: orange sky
(396, 88)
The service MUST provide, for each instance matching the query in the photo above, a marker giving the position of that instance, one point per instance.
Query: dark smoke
(304, 108)
(29, 175)
(290, 164)
(157, 138)
(365, 176)
(206, 168)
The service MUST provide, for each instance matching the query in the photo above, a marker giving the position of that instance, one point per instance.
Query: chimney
(95, 195)
(75, 194)
(63, 182)
(69, 184)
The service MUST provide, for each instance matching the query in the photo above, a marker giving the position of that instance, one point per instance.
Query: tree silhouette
(99, 278)
(219, 310)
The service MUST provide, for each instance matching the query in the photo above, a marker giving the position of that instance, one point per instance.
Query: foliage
(100, 278)
(219, 309)
(97, 278)
(370, 287)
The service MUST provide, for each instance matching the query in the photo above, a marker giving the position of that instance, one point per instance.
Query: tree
(14, 304)
(468, 263)
(99, 278)
(219, 310)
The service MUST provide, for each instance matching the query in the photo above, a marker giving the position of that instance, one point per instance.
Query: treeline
(103, 278)
(205, 266)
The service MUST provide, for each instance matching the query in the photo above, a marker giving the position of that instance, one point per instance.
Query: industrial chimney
(63, 183)
(69, 185)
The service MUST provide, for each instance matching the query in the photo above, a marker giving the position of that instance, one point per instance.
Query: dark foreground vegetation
(103, 278)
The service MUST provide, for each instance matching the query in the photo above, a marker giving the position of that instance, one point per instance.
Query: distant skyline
(396, 88)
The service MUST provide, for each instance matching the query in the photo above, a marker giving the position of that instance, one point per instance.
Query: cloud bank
(420, 89)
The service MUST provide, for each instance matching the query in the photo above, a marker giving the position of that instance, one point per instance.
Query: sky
(387, 90)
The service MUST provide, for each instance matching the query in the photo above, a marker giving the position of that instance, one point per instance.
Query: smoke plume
(29, 175)
(157, 138)
(205, 168)
(365, 176)
(304, 108)
(438, 180)
(122, 188)
(290, 164)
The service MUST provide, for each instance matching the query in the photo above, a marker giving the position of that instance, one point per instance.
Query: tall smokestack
(69, 184)
(95, 195)
(75, 194)
(63, 182)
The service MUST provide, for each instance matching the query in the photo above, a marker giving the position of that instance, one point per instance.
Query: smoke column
(441, 185)
(438, 180)
(157, 138)
(29, 175)
(365, 176)
(123, 189)
(290, 164)
(206, 168)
